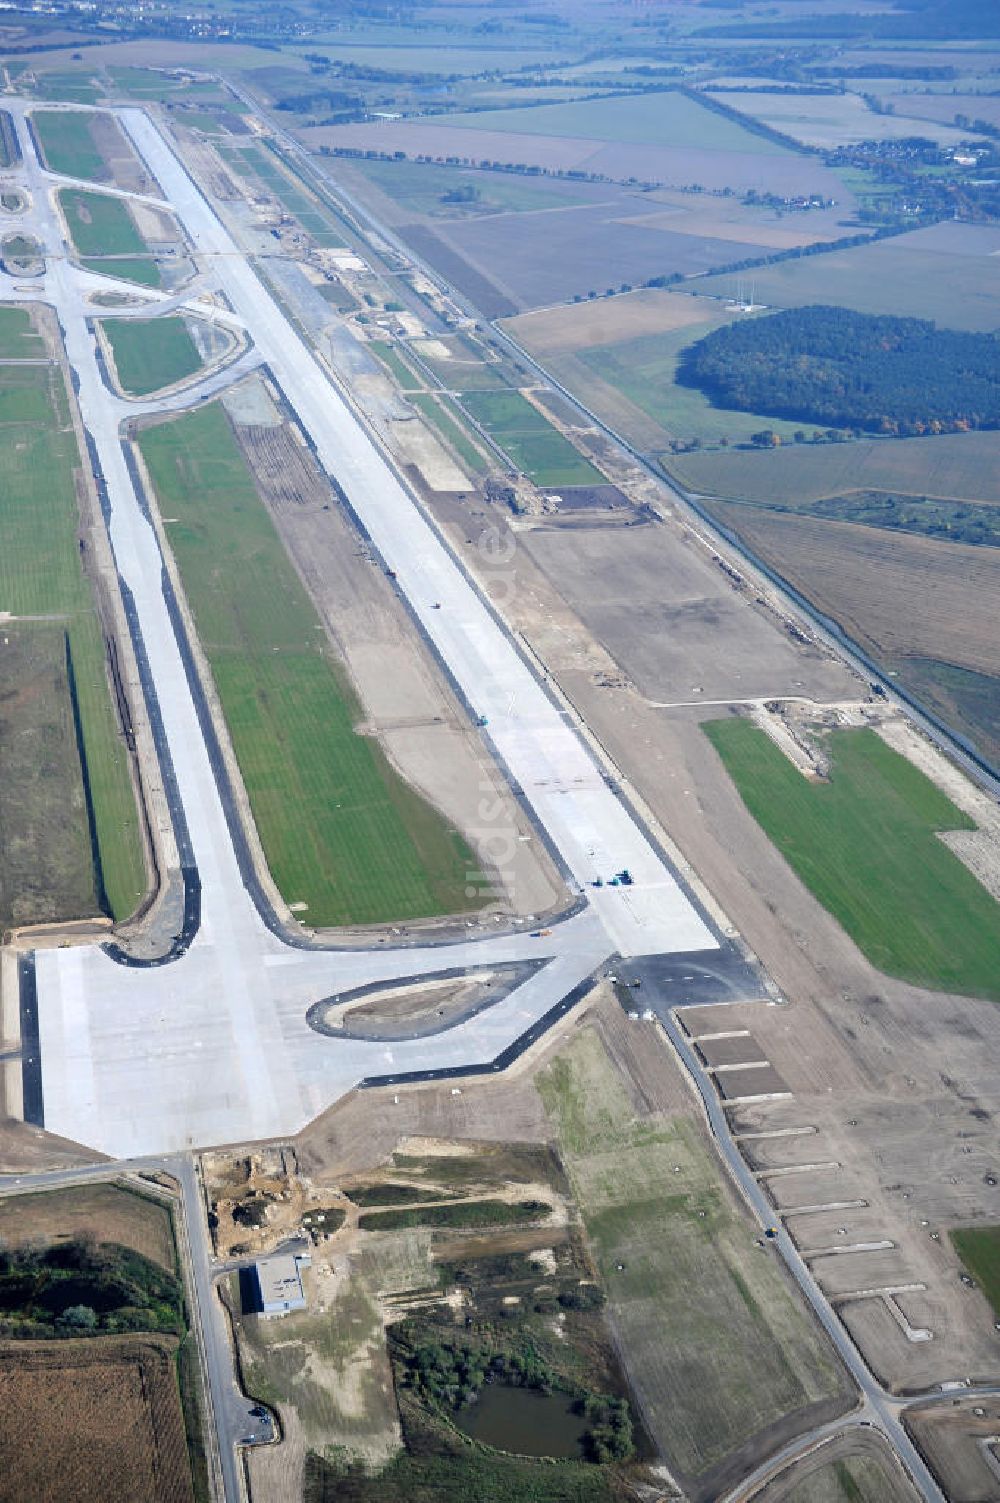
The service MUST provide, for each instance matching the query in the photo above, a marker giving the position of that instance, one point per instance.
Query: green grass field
(959, 466)
(100, 225)
(419, 186)
(979, 1249)
(667, 119)
(142, 270)
(643, 370)
(445, 419)
(390, 357)
(151, 353)
(538, 449)
(40, 574)
(714, 1341)
(18, 340)
(865, 844)
(68, 145)
(341, 831)
(912, 276)
(73, 88)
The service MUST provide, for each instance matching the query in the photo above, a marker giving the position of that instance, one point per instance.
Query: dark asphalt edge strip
(523, 970)
(33, 1105)
(507, 1056)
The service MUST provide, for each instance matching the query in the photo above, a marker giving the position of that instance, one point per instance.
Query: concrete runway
(214, 1047)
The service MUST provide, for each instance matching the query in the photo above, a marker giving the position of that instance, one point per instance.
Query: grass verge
(41, 575)
(979, 1249)
(865, 844)
(150, 354)
(341, 831)
(538, 449)
(100, 225)
(69, 146)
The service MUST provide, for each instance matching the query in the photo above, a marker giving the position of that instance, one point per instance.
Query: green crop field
(667, 119)
(419, 186)
(644, 371)
(715, 1342)
(18, 340)
(142, 270)
(865, 844)
(445, 419)
(40, 574)
(68, 146)
(979, 1249)
(151, 353)
(100, 225)
(341, 831)
(538, 449)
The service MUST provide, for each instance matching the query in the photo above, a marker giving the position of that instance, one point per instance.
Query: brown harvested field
(547, 257)
(898, 595)
(952, 1438)
(107, 1210)
(953, 466)
(650, 310)
(672, 621)
(674, 166)
(94, 1419)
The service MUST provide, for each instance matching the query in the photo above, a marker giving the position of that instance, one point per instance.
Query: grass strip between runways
(41, 575)
(866, 844)
(341, 831)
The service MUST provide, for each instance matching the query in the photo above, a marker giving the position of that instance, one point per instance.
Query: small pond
(525, 1421)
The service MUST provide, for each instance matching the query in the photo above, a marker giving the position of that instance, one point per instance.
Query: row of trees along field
(872, 373)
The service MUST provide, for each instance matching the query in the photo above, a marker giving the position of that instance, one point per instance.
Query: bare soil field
(948, 272)
(663, 612)
(898, 595)
(408, 706)
(99, 1418)
(672, 166)
(650, 310)
(110, 1212)
(25, 1148)
(892, 1085)
(954, 1438)
(953, 466)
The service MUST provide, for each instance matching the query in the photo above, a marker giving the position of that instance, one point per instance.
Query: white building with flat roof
(279, 1283)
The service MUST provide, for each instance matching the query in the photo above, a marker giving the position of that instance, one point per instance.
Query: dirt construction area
(884, 1131)
(99, 1418)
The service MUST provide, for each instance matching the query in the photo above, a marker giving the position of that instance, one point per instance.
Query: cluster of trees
(74, 1287)
(869, 373)
(452, 1375)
